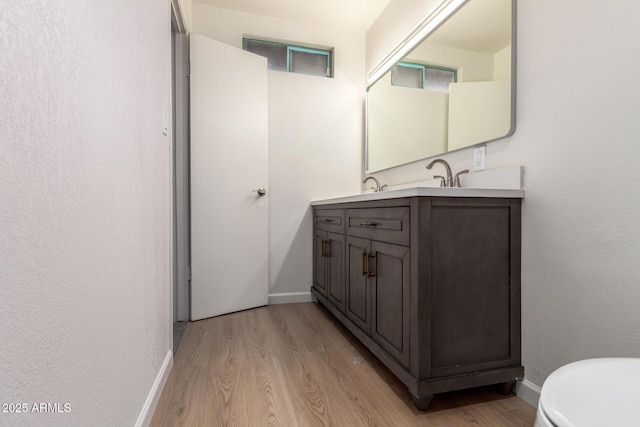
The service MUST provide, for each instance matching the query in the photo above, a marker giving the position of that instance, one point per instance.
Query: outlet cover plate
(479, 158)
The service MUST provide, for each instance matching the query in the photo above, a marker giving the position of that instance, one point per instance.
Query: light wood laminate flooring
(295, 365)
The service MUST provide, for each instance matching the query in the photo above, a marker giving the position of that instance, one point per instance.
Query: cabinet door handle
(364, 257)
(327, 248)
(324, 251)
(368, 224)
(370, 272)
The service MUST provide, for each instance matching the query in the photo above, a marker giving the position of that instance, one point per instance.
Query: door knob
(261, 191)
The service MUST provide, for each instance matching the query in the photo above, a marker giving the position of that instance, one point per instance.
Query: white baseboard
(529, 392)
(156, 390)
(289, 298)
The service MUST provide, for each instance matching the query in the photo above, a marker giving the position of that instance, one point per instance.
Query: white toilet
(594, 392)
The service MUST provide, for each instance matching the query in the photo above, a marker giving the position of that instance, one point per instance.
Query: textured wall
(578, 121)
(315, 133)
(84, 207)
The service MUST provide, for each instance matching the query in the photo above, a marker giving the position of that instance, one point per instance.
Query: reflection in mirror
(453, 90)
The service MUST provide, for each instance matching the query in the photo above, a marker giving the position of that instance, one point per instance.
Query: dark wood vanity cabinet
(431, 285)
(329, 258)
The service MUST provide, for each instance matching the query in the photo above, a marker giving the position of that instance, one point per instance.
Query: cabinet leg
(422, 403)
(506, 388)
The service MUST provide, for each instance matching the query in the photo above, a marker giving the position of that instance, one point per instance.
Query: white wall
(84, 208)
(315, 133)
(577, 134)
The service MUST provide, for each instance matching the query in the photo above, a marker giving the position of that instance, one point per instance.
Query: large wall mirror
(454, 88)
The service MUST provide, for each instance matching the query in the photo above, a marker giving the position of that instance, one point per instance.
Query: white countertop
(424, 191)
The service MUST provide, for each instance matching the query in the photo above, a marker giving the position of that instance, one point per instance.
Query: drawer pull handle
(364, 256)
(370, 272)
(326, 220)
(368, 224)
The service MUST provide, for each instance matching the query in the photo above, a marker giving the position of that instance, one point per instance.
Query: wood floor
(294, 365)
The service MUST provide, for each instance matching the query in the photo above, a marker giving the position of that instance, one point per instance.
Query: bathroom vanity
(428, 279)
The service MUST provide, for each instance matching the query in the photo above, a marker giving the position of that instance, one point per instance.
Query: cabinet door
(319, 262)
(390, 299)
(334, 257)
(471, 287)
(358, 301)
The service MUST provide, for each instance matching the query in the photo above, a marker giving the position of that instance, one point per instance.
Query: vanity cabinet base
(432, 288)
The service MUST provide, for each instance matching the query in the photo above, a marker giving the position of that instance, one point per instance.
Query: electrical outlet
(479, 157)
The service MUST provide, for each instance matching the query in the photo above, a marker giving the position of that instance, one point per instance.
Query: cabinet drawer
(329, 220)
(384, 224)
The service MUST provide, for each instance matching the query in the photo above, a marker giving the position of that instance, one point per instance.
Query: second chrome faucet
(377, 187)
(449, 180)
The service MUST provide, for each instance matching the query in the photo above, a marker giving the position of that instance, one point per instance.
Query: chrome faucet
(377, 187)
(448, 182)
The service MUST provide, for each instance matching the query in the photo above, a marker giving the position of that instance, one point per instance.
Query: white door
(229, 244)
